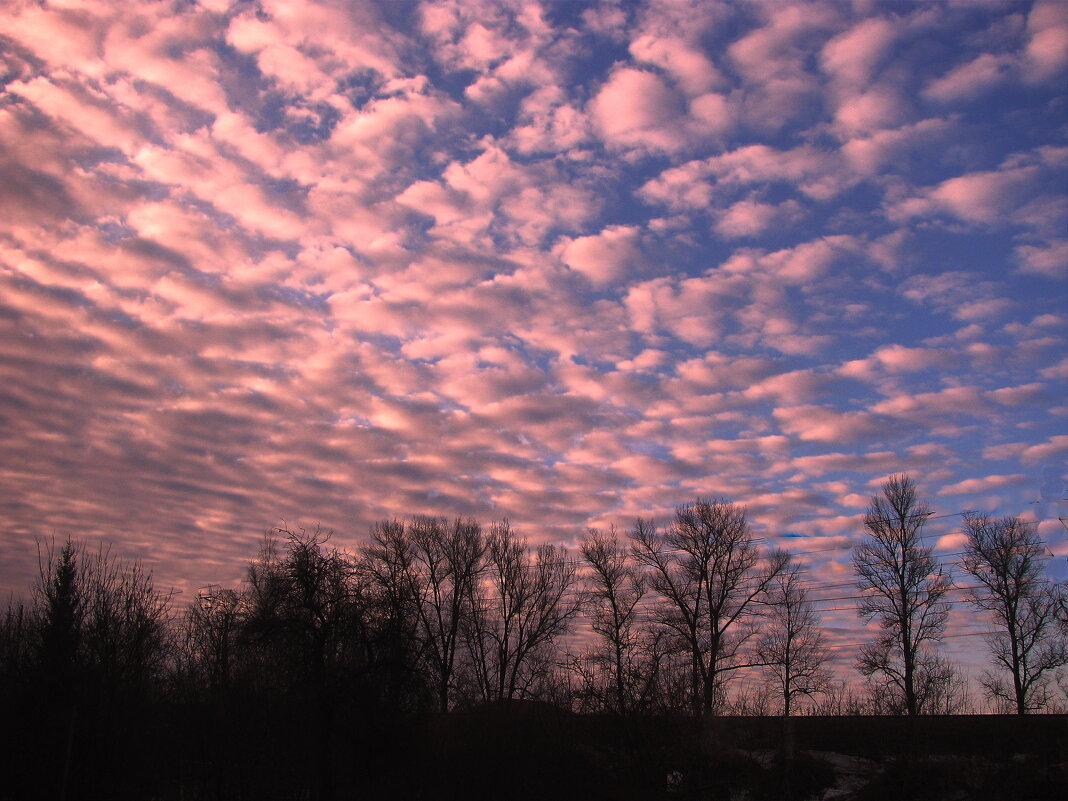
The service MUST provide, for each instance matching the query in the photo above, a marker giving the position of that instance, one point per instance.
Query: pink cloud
(983, 73)
(775, 48)
(648, 359)
(41, 29)
(483, 46)
(1055, 447)
(691, 69)
(1050, 260)
(947, 402)
(635, 108)
(897, 358)
(149, 56)
(606, 257)
(812, 423)
(716, 370)
(606, 20)
(1047, 50)
(875, 109)
(872, 461)
(797, 387)
(980, 197)
(350, 33)
(92, 115)
(871, 151)
(987, 309)
(711, 114)
(549, 123)
(1057, 371)
(962, 295)
(696, 184)
(749, 218)
(1016, 396)
(685, 310)
(388, 131)
(493, 189)
(976, 486)
(771, 61)
(852, 57)
(682, 187)
(983, 197)
(808, 262)
(954, 542)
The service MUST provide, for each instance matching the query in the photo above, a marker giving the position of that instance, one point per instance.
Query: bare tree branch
(904, 587)
(1007, 559)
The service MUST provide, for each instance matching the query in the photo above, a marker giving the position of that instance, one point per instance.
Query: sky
(565, 263)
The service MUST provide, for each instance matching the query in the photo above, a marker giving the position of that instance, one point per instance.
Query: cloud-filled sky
(565, 263)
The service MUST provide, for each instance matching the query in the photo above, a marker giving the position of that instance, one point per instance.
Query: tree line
(434, 615)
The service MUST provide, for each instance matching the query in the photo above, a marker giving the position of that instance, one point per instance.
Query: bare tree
(307, 615)
(388, 564)
(941, 688)
(903, 588)
(518, 608)
(1007, 559)
(17, 639)
(791, 644)
(103, 644)
(210, 630)
(128, 622)
(449, 560)
(840, 699)
(431, 566)
(710, 575)
(751, 700)
(628, 657)
(101, 614)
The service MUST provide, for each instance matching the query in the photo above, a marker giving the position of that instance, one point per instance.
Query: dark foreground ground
(537, 752)
(862, 758)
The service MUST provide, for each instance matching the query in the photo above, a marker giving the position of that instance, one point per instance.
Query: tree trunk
(910, 689)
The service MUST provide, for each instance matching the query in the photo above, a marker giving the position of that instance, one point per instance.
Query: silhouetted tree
(839, 699)
(309, 657)
(18, 631)
(940, 688)
(751, 700)
(791, 641)
(903, 587)
(61, 594)
(1007, 559)
(127, 637)
(449, 563)
(429, 568)
(210, 636)
(620, 673)
(519, 607)
(710, 575)
(103, 642)
(24, 710)
(396, 650)
(302, 606)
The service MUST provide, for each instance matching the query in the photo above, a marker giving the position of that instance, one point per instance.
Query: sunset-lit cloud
(564, 263)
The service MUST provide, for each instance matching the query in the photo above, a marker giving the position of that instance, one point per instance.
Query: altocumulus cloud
(562, 262)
